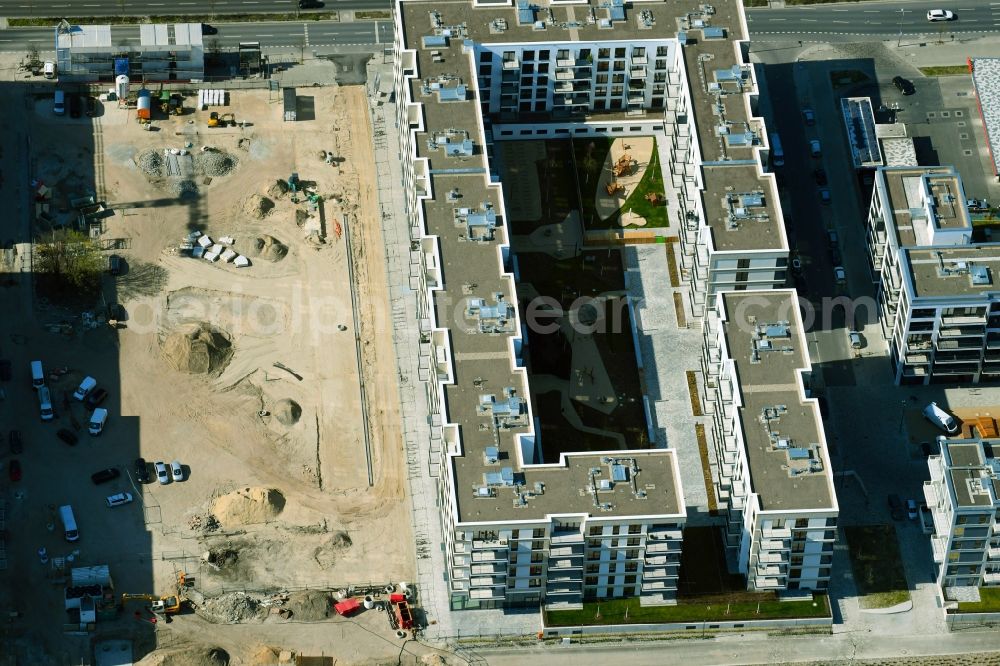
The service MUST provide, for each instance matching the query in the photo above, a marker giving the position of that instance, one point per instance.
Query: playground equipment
(624, 166)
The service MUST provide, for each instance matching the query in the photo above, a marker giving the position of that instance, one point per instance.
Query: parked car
(105, 475)
(911, 509)
(119, 499)
(855, 339)
(96, 397)
(941, 418)
(796, 265)
(310, 4)
(16, 443)
(141, 471)
(814, 148)
(820, 176)
(904, 86)
(176, 471)
(75, 108)
(896, 507)
(839, 274)
(824, 196)
(832, 239)
(809, 116)
(92, 106)
(5, 369)
(935, 15)
(162, 475)
(115, 264)
(67, 436)
(14, 469)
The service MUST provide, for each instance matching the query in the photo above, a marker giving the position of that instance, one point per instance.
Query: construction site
(242, 330)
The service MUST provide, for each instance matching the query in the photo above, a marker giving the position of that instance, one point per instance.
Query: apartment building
(732, 232)
(165, 52)
(774, 480)
(937, 301)
(519, 533)
(963, 495)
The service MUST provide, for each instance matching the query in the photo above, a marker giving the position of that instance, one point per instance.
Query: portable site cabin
(291, 111)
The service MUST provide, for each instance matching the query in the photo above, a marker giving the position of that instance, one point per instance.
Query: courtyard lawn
(877, 565)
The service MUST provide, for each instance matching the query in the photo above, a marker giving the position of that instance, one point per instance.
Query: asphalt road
(275, 34)
(60, 8)
(875, 18)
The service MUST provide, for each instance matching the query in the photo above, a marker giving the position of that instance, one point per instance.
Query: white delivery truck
(37, 374)
(45, 404)
(97, 421)
(69, 523)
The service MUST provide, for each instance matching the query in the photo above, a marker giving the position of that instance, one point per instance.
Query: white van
(86, 386)
(97, 421)
(59, 103)
(37, 374)
(941, 418)
(49, 70)
(69, 523)
(45, 404)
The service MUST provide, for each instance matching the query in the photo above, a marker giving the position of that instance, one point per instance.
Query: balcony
(489, 569)
(637, 72)
(489, 556)
(511, 64)
(562, 565)
(777, 533)
(566, 537)
(491, 544)
(991, 578)
(939, 548)
(762, 583)
(563, 74)
(487, 581)
(961, 331)
(486, 593)
(774, 545)
(769, 570)
(572, 550)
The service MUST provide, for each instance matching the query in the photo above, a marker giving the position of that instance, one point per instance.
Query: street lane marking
(872, 11)
(775, 20)
(260, 35)
(838, 21)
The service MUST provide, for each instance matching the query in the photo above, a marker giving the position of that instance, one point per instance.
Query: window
(602, 66)
(617, 91)
(619, 65)
(538, 533)
(796, 560)
(562, 54)
(593, 568)
(599, 105)
(603, 53)
(618, 78)
(596, 531)
(537, 545)
(512, 572)
(543, 54)
(535, 571)
(584, 54)
(525, 93)
(639, 52)
(601, 91)
(536, 557)
(744, 264)
(594, 555)
(535, 582)
(485, 56)
(633, 541)
(742, 276)
(630, 580)
(797, 546)
(542, 80)
(484, 70)
(590, 580)
(631, 567)
(528, 55)
(616, 104)
(620, 52)
(601, 79)
(635, 529)
(631, 554)
(795, 573)
(593, 543)
(659, 77)
(801, 523)
(661, 64)
(661, 51)
(526, 81)
(543, 68)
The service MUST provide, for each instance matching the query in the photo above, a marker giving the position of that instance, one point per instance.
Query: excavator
(169, 604)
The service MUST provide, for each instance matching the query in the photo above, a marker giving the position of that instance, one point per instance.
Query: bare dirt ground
(276, 486)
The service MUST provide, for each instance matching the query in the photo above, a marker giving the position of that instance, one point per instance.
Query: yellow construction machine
(169, 604)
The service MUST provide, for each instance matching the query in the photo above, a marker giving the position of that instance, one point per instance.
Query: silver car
(162, 475)
(119, 499)
(176, 471)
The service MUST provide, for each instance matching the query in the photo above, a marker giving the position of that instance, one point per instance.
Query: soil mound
(195, 655)
(278, 189)
(258, 206)
(216, 163)
(198, 349)
(268, 248)
(287, 412)
(248, 506)
(309, 605)
(264, 656)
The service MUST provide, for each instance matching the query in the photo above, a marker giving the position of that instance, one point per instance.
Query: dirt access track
(275, 493)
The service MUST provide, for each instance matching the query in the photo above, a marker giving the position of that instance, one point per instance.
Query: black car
(105, 475)
(904, 86)
(115, 264)
(96, 397)
(16, 443)
(91, 106)
(207, 29)
(310, 4)
(896, 507)
(5, 371)
(75, 108)
(820, 176)
(67, 436)
(141, 471)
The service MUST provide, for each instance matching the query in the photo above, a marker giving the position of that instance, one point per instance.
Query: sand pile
(248, 506)
(199, 348)
(264, 656)
(309, 605)
(216, 163)
(195, 655)
(287, 412)
(257, 206)
(278, 189)
(268, 248)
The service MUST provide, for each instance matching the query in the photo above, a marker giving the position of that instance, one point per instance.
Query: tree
(70, 263)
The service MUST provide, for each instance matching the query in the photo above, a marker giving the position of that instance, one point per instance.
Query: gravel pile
(184, 188)
(216, 163)
(150, 162)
